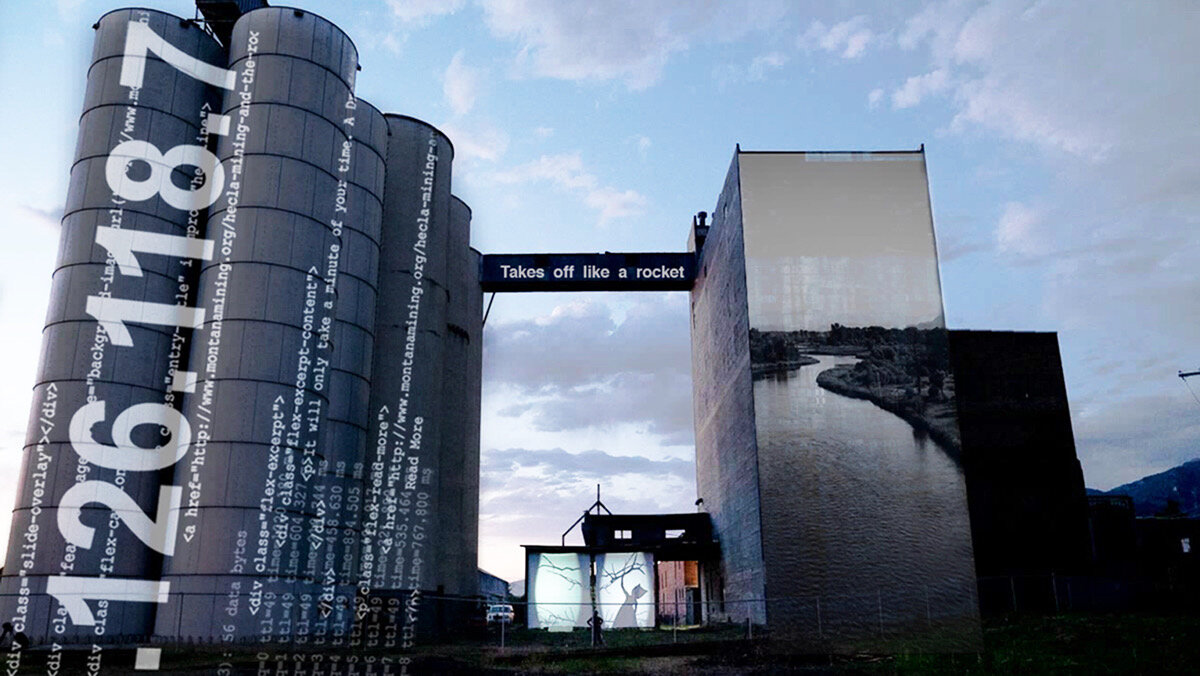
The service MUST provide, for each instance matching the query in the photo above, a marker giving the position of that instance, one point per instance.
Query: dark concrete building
(1168, 551)
(1112, 534)
(491, 588)
(1141, 561)
(1029, 510)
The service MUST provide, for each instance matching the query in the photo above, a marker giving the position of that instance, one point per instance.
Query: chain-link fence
(1052, 593)
(396, 634)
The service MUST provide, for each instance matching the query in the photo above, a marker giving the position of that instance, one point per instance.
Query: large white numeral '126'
(158, 534)
(125, 454)
(73, 592)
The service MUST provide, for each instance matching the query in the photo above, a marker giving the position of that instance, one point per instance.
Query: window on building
(623, 534)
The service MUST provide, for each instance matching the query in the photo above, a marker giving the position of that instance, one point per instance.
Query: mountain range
(1150, 493)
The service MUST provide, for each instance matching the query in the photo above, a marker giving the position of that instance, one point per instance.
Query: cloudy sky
(1063, 145)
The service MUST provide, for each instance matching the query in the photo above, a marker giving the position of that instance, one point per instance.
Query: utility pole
(1184, 375)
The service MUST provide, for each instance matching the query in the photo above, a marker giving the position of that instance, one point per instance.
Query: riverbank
(768, 368)
(835, 350)
(938, 419)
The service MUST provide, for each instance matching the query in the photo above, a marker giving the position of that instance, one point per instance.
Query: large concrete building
(827, 446)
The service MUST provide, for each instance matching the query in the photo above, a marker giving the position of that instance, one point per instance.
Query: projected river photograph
(857, 434)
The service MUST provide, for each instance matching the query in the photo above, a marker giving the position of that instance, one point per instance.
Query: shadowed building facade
(1029, 510)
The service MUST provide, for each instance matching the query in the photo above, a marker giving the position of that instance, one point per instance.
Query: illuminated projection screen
(625, 589)
(864, 516)
(558, 590)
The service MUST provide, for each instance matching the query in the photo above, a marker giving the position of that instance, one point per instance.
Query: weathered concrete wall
(726, 451)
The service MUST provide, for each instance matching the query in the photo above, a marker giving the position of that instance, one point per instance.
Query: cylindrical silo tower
(473, 404)
(459, 559)
(91, 524)
(345, 429)
(257, 407)
(253, 569)
(402, 544)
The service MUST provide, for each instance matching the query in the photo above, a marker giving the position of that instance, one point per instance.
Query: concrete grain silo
(457, 523)
(259, 396)
(410, 328)
(266, 347)
(345, 428)
(105, 417)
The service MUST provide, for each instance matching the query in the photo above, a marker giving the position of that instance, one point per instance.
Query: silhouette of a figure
(595, 622)
(12, 641)
(627, 615)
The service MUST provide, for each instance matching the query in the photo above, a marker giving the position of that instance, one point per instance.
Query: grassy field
(1062, 644)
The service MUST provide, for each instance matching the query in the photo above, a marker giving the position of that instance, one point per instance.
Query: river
(865, 522)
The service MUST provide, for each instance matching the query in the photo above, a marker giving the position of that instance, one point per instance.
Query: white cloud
(393, 44)
(461, 85)
(1129, 438)
(936, 24)
(566, 171)
(918, 87)
(598, 372)
(642, 143)
(422, 10)
(874, 98)
(761, 64)
(543, 132)
(849, 37)
(1066, 76)
(726, 74)
(1016, 231)
(68, 9)
(627, 40)
(614, 203)
(1009, 108)
(478, 141)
